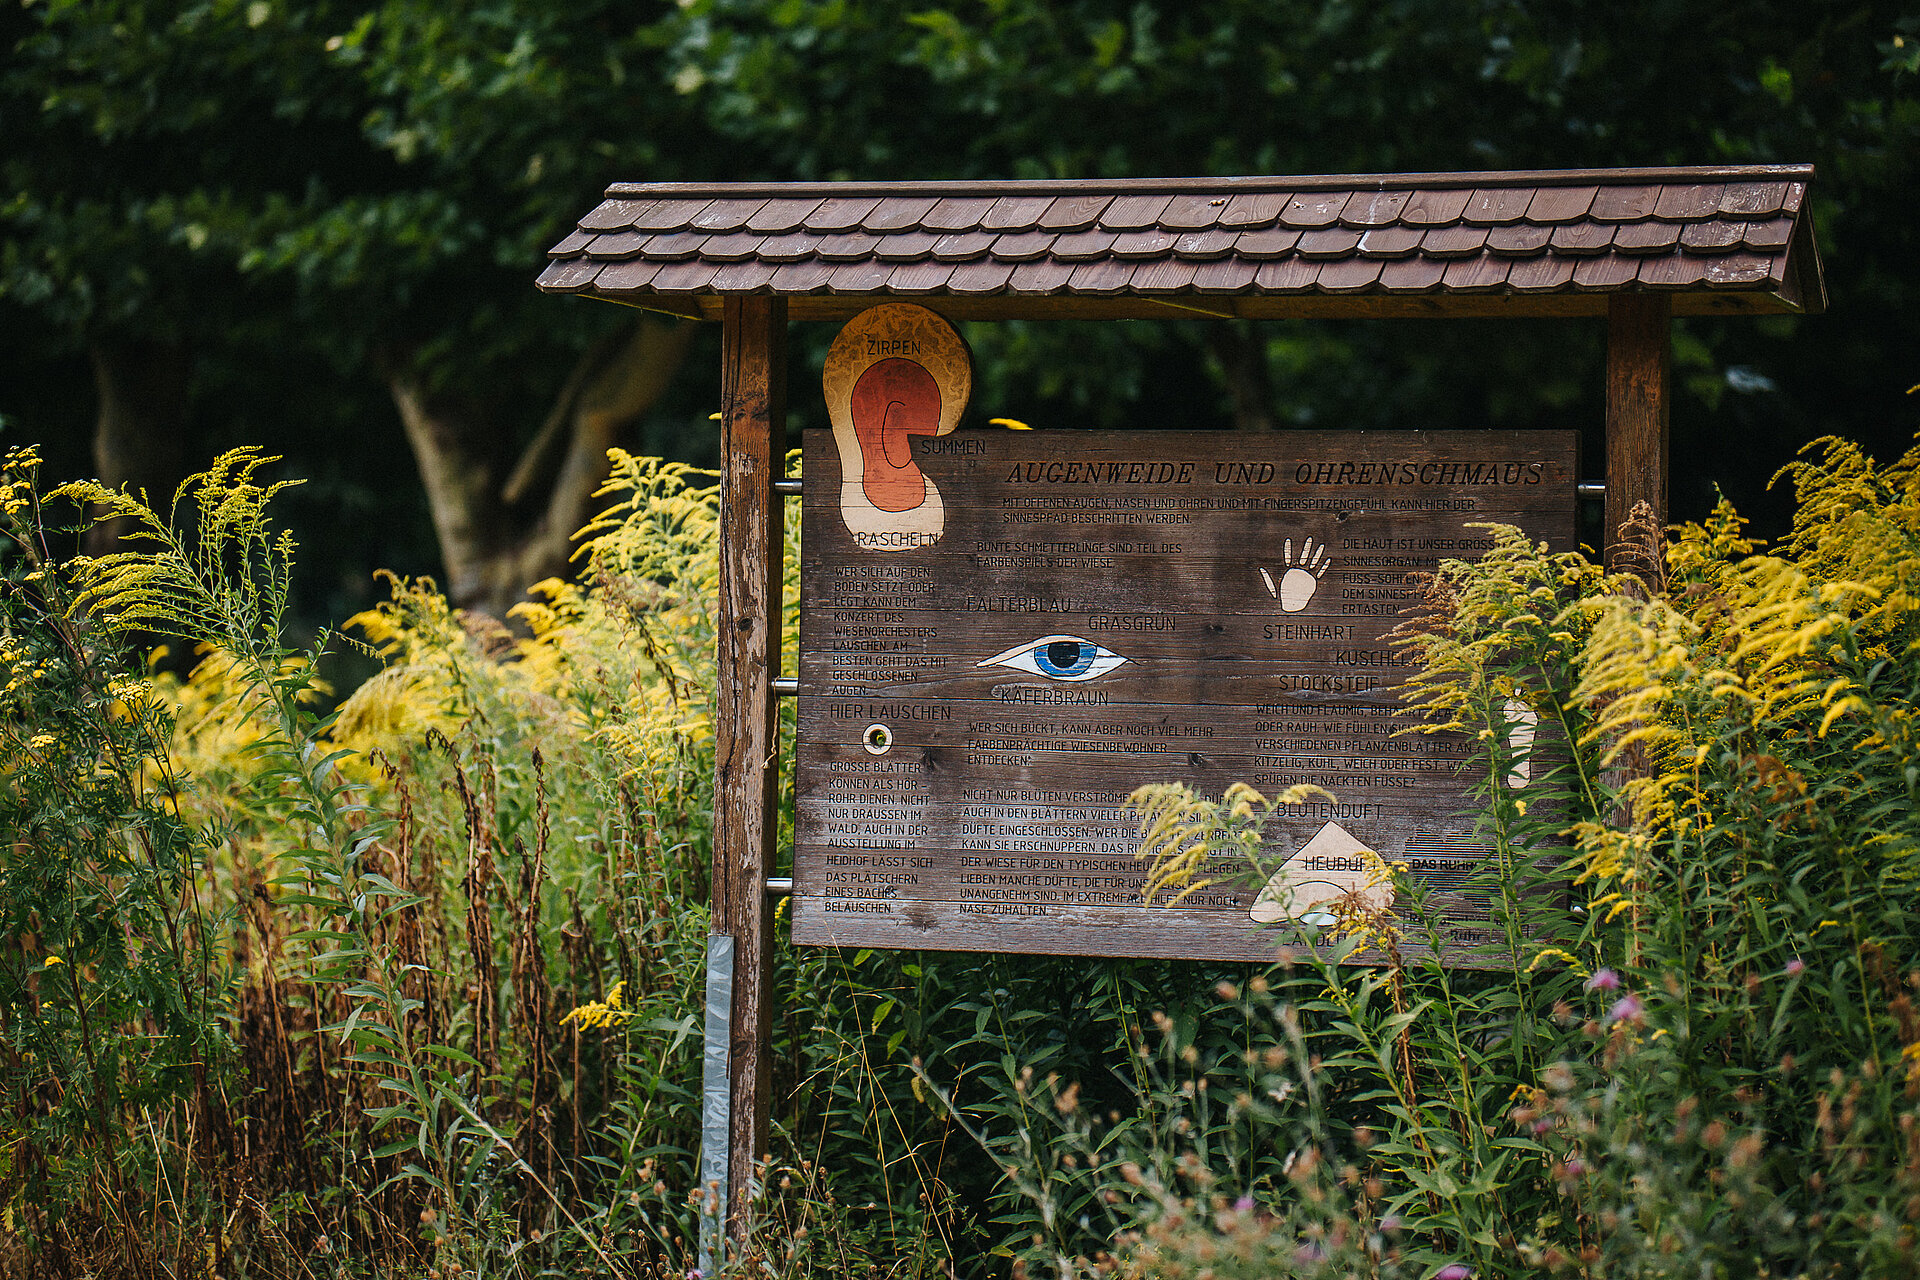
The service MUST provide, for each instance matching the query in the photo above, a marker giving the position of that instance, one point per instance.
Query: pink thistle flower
(1626, 1009)
(1603, 980)
(1796, 965)
(1243, 1204)
(1454, 1271)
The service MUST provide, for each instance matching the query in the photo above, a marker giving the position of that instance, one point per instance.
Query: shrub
(113, 972)
(1706, 1062)
(411, 985)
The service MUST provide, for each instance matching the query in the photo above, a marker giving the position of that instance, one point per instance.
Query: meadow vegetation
(408, 983)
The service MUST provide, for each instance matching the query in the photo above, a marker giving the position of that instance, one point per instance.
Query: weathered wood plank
(1638, 348)
(746, 717)
(1226, 185)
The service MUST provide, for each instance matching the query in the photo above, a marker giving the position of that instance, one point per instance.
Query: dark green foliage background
(304, 195)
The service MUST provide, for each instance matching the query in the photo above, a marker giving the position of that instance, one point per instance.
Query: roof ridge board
(1216, 185)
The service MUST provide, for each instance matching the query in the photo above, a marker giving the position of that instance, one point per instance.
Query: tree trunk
(140, 426)
(495, 547)
(1242, 352)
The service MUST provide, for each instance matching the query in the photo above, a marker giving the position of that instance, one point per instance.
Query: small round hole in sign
(878, 739)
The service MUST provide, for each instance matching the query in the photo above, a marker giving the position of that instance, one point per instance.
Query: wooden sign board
(1093, 611)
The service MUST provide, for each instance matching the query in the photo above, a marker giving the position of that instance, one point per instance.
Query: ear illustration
(894, 373)
(892, 402)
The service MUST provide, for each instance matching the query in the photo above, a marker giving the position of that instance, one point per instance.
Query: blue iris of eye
(1063, 658)
(1058, 658)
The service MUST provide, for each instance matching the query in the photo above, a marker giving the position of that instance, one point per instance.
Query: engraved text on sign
(1101, 610)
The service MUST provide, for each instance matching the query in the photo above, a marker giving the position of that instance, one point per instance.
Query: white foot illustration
(1522, 722)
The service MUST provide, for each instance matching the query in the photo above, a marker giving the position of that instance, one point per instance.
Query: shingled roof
(1732, 239)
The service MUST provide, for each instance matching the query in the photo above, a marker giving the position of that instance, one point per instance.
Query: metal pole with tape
(716, 1103)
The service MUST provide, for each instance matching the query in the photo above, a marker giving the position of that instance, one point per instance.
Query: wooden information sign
(1100, 610)
(994, 656)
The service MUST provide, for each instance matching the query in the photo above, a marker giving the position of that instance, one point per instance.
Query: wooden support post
(1638, 355)
(746, 713)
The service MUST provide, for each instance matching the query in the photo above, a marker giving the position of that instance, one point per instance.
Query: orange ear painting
(895, 372)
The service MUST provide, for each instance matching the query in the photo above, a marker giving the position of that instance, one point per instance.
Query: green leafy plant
(411, 985)
(1694, 1049)
(113, 976)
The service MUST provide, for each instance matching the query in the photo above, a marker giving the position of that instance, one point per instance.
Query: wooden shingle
(1646, 237)
(1024, 246)
(980, 277)
(1416, 274)
(1250, 211)
(1224, 275)
(957, 213)
(630, 274)
(1520, 240)
(1015, 213)
(1350, 275)
(1311, 209)
(1074, 213)
(1193, 213)
(1134, 213)
(963, 246)
(1390, 242)
(898, 214)
(1453, 242)
(908, 247)
(1102, 276)
(724, 215)
(1328, 242)
(1083, 246)
(1288, 275)
(735, 247)
(1049, 275)
(1436, 208)
(614, 215)
(1377, 209)
(810, 276)
(670, 215)
(1273, 242)
(564, 275)
(869, 276)
(1498, 206)
(837, 213)
(850, 246)
(781, 215)
(1152, 243)
(1560, 204)
(1163, 275)
(1213, 242)
(620, 244)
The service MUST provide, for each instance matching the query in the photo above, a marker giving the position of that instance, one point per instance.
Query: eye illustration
(1058, 658)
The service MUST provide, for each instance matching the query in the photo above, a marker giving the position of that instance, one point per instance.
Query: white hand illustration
(1302, 576)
